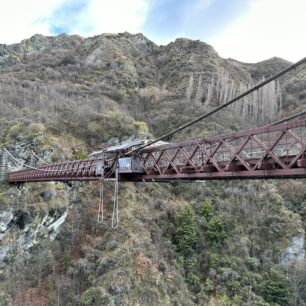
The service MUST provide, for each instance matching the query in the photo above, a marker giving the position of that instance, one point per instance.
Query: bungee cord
(101, 200)
(101, 205)
(115, 214)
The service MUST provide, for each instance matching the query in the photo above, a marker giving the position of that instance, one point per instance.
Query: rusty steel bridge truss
(276, 151)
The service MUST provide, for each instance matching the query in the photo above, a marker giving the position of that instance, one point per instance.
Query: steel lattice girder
(268, 152)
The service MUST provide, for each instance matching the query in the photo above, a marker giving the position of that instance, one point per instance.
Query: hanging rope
(115, 215)
(101, 205)
(101, 199)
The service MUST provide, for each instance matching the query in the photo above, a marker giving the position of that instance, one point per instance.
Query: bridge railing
(267, 152)
(270, 151)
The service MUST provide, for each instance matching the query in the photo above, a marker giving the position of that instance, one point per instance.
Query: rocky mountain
(205, 243)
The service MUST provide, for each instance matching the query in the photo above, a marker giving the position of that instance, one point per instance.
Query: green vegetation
(277, 289)
(204, 243)
(216, 230)
(186, 230)
(93, 297)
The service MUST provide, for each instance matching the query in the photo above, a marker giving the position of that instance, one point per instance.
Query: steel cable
(217, 109)
(44, 170)
(39, 158)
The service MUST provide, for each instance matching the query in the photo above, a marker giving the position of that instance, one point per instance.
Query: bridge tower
(31, 161)
(3, 166)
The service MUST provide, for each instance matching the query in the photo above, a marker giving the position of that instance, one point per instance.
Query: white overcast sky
(246, 30)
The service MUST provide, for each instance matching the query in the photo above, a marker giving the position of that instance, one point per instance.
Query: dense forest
(178, 243)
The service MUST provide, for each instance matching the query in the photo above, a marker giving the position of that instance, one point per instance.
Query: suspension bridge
(273, 151)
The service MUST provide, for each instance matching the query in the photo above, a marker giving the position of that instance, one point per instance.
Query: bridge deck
(269, 152)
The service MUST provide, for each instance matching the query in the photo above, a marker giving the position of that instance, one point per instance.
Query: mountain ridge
(38, 40)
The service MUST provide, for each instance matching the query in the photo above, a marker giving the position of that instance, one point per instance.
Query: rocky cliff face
(295, 252)
(61, 95)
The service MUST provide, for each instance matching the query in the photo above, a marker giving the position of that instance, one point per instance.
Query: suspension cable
(106, 176)
(217, 109)
(43, 170)
(39, 158)
(289, 118)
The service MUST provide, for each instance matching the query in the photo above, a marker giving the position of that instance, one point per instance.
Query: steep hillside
(203, 243)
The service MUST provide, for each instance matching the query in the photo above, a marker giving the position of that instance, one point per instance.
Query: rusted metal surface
(268, 152)
(276, 151)
(78, 170)
(237, 135)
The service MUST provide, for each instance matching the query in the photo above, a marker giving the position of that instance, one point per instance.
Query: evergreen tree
(186, 230)
(216, 231)
(277, 288)
(207, 210)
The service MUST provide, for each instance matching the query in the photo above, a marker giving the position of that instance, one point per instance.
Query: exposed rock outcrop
(295, 252)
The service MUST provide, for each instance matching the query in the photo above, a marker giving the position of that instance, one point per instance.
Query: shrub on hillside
(186, 230)
(277, 290)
